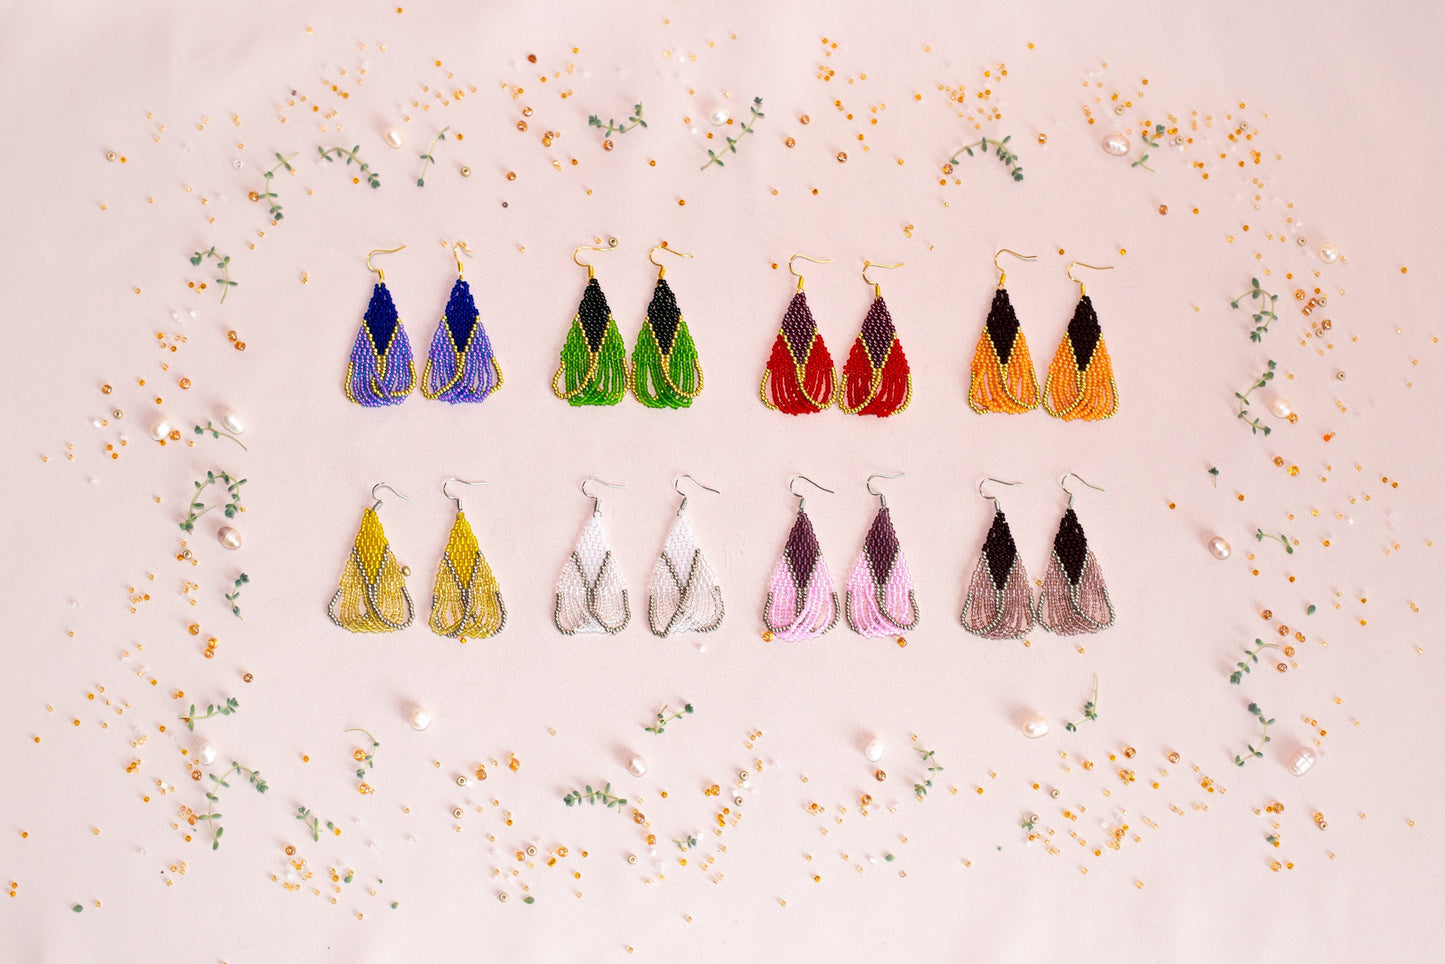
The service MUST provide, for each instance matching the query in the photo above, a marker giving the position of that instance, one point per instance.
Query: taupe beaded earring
(999, 604)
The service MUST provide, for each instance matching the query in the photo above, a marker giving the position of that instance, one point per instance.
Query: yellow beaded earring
(466, 600)
(372, 597)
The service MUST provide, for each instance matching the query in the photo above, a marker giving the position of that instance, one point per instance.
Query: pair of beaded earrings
(1080, 381)
(1072, 600)
(800, 379)
(593, 370)
(802, 602)
(373, 598)
(460, 367)
(684, 596)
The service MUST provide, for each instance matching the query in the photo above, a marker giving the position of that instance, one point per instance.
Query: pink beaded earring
(880, 598)
(802, 601)
(999, 603)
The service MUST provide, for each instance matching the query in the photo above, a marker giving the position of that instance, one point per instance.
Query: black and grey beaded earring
(1074, 598)
(999, 604)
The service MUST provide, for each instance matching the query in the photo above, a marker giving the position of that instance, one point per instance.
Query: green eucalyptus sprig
(1091, 709)
(223, 261)
(1260, 535)
(604, 796)
(1266, 309)
(613, 127)
(218, 433)
(686, 843)
(371, 176)
(1240, 761)
(427, 157)
(1214, 475)
(663, 719)
(270, 195)
(226, 709)
(199, 508)
(1251, 656)
(366, 757)
(313, 823)
(211, 817)
(1149, 145)
(234, 596)
(1001, 150)
(712, 157)
(920, 790)
(1029, 821)
(1255, 425)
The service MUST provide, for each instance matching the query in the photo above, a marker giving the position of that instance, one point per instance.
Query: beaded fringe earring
(802, 601)
(1080, 383)
(999, 604)
(1073, 599)
(684, 596)
(590, 594)
(876, 379)
(466, 600)
(372, 597)
(594, 359)
(461, 366)
(799, 378)
(381, 371)
(665, 370)
(1001, 377)
(880, 600)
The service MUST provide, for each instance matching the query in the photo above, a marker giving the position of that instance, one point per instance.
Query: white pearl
(874, 750)
(1280, 407)
(228, 537)
(1219, 547)
(420, 718)
(1303, 759)
(636, 765)
(393, 138)
(206, 754)
(1329, 253)
(1116, 144)
(1035, 727)
(718, 116)
(160, 428)
(233, 423)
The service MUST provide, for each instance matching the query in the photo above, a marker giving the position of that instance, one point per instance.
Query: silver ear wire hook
(384, 485)
(679, 491)
(993, 497)
(801, 500)
(456, 498)
(882, 502)
(1065, 477)
(596, 503)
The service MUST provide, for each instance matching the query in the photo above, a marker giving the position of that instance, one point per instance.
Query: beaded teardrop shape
(665, 369)
(876, 378)
(1080, 383)
(372, 596)
(799, 379)
(594, 359)
(381, 370)
(461, 366)
(802, 601)
(1001, 376)
(466, 599)
(590, 595)
(880, 600)
(684, 596)
(999, 604)
(1073, 598)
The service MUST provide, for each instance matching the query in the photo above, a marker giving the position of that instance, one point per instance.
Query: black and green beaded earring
(594, 359)
(665, 370)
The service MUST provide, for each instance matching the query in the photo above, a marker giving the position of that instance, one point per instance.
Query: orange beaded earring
(1001, 378)
(1080, 382)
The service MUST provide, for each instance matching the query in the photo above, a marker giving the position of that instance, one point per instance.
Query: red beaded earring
(876, 379)
(799, 378)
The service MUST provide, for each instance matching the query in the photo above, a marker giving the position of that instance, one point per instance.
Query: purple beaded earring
(999, 604)
(1074, 598)
(880, 599)
(461, 366)
(802, 601)
(381, 371)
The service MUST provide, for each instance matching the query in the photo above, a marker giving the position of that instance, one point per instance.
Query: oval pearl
(420, 719)
(1303, 759)
(636, 765)
(719, 116)
(228, 537)
(161, 427)
(1219, 547)
(1116, 144)
(206, 754)
(233, 423)
(393, 138)
(1280, 407)
(1329, 253)
(1035, 727)
(874, 750)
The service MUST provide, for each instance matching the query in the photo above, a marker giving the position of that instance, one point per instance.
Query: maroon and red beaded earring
(876, 379)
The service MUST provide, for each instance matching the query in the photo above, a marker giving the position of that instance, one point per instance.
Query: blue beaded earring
(381, 371)
(461, 366)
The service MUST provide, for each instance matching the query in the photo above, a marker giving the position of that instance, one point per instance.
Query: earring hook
(456, 498)
(384, 485)
(1079, 264)
(1076, 475)
(679, 491)
(463, 246)
(794, 272)
(652, 256)
(987, 479)
(596, 502)
(877, 288)
(882, 502)
(369, 267)
(611, 243)
(801, 500)
(1001, 273)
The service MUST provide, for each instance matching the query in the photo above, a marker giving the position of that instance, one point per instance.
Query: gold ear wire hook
(801, 500)
(1001, 273)
(794, 272)
(1092, 267)
(652, 256)
(679, 491)
(369, 267)
(456, 498)
(463, 246)
(877, 288)
(385, 485)
(611, 243)
(1064, 478)
(986, 479)
(596, 502)
(868, 484)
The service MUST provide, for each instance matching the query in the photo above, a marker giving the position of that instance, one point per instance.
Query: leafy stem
(218, 433)
(223, 262)
(612, 127)
(1251, 656)
(427, 157)
(270, 192)
(1260, 535)
(1091, 709)
(1143, 160)
(226, 709)
(745, 129)
(921, 789)
(1239, 761)
(663, 718)
(1001, 150)
(604, 796)
(1214, 475)
(313, 823)
(234, 596)
(686, 843)
(1255, 425)
(199, 508)
(211, 817)
(371, 176)
(364, 757)
(1266, 308)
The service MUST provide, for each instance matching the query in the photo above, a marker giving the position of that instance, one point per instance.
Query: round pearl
(233, 423)
(206, 754)
(1116, 144)
(1219, 547)
(161, 427)
(393, 138)
(228, 537)
(1329, 253)
(1303, 759)
(1035, 727)
(420, 719)
(874, 750)
(636, 765)
(1280, 407)
(718, 116)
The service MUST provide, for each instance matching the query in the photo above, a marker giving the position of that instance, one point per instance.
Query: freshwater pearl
(161, 427)
(1303, 759)
(718, 116)
(636, 765)
(1329, 253)
(1280, 407)
(420, 718)
(1116, 144)
(1219, 547)
(1035, 727)
(206, 754)
(233, 423)
(874, 750)
(393, 138)
(228, 537)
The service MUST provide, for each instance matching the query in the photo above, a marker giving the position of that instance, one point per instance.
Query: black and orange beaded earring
(799, 378)
(876, 379)
(1001, 377)
(1080, 383)
(1074, 598)
(594, 359)
(665, 371)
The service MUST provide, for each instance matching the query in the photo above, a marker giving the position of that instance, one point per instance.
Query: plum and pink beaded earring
(684, 596)
(461, 366)
(590, 595)
(665, 370)
(876, 379)
(999, 604)
(1074, 598)
(1080, 383)
(802, 601)
(1001, 377)
(594, 359)
(466, 600)
(799, 378)
(880, 599)
(372, 596)
(380, 371)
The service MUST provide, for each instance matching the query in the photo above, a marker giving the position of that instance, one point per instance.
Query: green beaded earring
(594, 359)
(665, 370)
